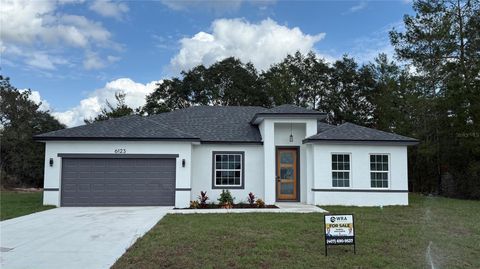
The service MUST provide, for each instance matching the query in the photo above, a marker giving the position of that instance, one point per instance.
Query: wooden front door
(287, 173)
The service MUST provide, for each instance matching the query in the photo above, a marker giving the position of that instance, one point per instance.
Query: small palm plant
(203, 198)
(251, 199)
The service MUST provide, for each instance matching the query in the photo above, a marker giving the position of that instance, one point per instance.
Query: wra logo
(333, 219)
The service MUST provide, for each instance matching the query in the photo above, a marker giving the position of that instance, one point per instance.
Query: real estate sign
(339, 230)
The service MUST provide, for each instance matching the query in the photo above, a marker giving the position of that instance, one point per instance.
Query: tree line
(22, 159)
(430, 91)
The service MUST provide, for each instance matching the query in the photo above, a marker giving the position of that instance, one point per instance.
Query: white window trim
(240, 185)
(350, 181)
(376, 171)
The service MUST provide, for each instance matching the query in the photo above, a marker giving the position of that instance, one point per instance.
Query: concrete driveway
(74, 237)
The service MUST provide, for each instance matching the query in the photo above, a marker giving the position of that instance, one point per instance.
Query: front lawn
(15, 204)
(445, 232)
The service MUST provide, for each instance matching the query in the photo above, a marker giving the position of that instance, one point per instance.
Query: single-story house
(286, 153)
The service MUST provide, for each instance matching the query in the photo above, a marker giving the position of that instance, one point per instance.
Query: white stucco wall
(52, 174)
(202, 171)
(360, 176)
(260, 166)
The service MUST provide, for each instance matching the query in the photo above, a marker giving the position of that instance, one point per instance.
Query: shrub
(203, 198)
(194, 204)
(260, 203)
(251, 199)
(227, 205)
(226, 198)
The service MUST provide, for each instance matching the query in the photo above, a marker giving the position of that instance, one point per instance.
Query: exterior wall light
(291, 133)
(51, 162)
(183, 162)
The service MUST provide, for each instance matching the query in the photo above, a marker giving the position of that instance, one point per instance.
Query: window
(379, 170)
(228, 170)
(341, 170)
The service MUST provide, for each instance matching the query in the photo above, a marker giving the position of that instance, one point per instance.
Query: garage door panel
(118, 182)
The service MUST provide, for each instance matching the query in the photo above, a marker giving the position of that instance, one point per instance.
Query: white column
(269, 159)
(310, 177)
(183, 183)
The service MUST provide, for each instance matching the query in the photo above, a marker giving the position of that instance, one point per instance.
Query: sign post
(339, 230)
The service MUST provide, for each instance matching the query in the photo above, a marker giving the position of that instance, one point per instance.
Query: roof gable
(287, 110)
(290, 109)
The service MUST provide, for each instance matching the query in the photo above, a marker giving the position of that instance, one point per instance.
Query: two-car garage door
(118, 181)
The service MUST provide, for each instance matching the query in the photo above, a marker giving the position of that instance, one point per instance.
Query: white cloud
(39, 59)
(92, 61)
(37, 99)
(45, 61)
(36, 28)
(215, 6)
(93, 104)
(361, 5)
(108, 8)
(262, 44)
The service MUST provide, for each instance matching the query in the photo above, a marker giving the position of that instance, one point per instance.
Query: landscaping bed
(227, 201)
(234, 206)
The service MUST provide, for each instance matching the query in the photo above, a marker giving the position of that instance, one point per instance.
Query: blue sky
(75, 54)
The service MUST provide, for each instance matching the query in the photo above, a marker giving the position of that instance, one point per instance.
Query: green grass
(446, 231)
(16, 204)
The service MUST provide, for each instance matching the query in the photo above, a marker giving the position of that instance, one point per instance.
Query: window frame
(380, 171)
(350, 181)
(242, 170)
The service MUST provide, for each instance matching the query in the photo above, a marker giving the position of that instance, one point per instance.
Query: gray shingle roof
(215, 123)
(286, 110)
(211, 124)
(353, 132)
(128, 127)
(322, 126)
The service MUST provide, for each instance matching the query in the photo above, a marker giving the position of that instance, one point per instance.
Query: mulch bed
(216, 206)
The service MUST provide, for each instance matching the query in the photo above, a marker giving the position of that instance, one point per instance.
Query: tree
(227, 82)
(119, 110)
(350, 87)
(231, 82)
(22, 159)
(441, 41)
(299, 79)
(391, 96)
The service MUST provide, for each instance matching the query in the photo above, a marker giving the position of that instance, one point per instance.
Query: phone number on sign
(339, 241)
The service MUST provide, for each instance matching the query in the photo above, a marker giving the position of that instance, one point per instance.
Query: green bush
(226, 198)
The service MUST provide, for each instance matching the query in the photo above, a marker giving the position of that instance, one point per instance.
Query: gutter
(64, 138)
